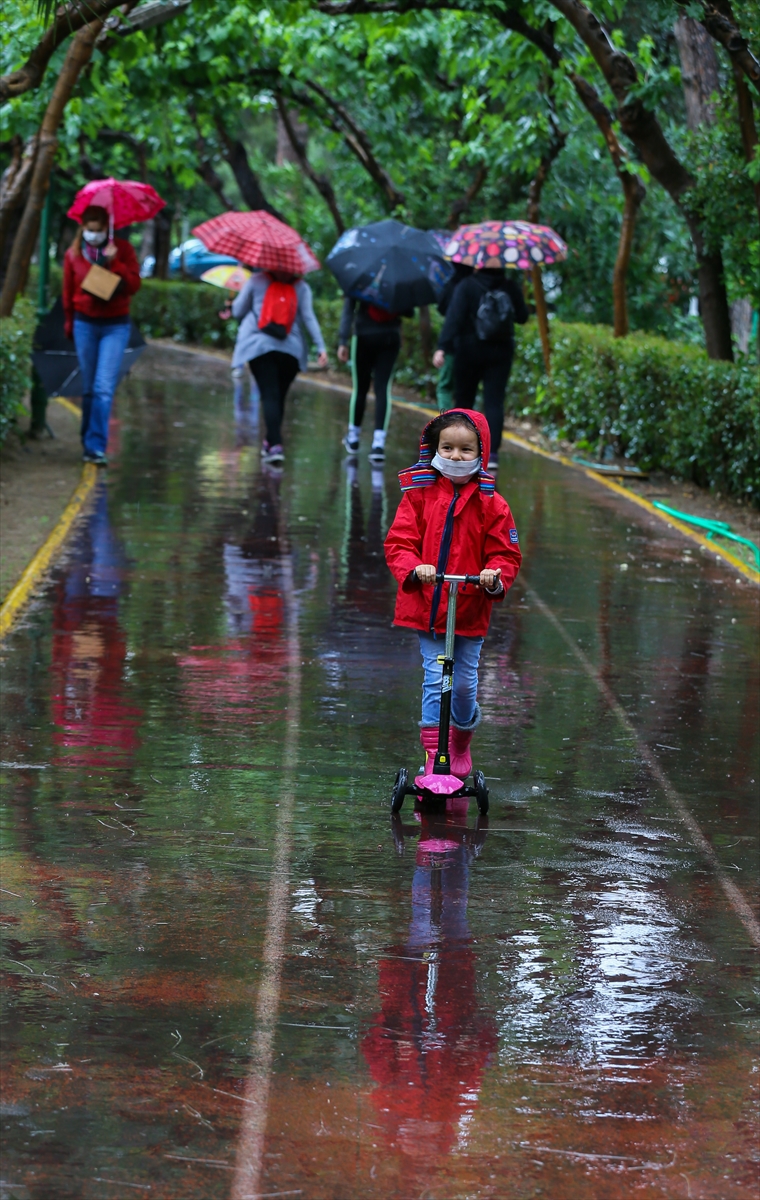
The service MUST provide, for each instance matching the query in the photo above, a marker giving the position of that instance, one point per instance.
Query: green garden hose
(714, 528)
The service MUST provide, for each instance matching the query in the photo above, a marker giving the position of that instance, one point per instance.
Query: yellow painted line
(746, 570)
(21, 593)
(72, 408)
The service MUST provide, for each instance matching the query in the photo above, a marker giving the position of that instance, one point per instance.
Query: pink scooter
(440, 784)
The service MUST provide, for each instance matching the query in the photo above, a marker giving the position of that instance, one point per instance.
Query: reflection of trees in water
(427, 1047)
(94, 724)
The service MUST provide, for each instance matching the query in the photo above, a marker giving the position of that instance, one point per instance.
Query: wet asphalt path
(227, 974)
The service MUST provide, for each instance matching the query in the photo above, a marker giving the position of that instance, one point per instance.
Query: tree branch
(321, 183)
(359, 143)
(247, 180)
(77, 56)
(69, 18)
(460, 206)
(720, 23)
(205, 166)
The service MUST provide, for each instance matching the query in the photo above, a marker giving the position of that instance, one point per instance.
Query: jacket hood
(423, 475)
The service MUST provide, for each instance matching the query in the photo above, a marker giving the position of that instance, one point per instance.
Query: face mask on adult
(94, 237)
(460, 468)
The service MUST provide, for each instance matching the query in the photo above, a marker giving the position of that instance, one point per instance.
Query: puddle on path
(554, 1003)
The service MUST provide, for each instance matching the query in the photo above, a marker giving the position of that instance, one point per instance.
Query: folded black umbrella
(55, 357)
(389, 264)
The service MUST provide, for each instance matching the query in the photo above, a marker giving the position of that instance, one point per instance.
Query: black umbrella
(55, 357)
(389, 264)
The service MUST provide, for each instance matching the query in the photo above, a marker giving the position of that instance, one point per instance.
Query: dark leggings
(274, 372)
(373, 354)
(492, 363)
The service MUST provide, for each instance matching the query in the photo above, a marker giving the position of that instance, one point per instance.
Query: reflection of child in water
(427, 1047)
(451, 520)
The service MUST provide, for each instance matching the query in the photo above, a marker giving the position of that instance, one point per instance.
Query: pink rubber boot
(459, 752)
(429, 743)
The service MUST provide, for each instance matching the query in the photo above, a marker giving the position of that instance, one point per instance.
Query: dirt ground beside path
(37, 479)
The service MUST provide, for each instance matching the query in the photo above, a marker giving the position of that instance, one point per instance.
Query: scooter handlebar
(458, 579)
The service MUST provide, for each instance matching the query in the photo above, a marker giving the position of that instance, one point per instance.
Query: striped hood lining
(423, 475)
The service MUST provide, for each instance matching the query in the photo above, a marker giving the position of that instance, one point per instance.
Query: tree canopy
(337, 112)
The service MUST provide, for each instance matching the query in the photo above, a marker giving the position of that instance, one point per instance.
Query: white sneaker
(351, 445)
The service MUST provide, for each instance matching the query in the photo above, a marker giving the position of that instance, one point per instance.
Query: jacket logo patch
(513, 535)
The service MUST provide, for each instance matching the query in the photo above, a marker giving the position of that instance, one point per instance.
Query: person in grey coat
(274, 362)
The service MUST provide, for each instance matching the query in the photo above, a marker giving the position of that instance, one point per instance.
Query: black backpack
(495, 317)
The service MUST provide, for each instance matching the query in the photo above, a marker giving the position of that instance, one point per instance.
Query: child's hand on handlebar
(425, 572)
(490, 579)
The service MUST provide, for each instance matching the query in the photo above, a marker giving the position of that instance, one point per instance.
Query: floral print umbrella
(505, 244)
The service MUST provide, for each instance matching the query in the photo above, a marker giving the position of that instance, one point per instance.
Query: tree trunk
(713, 300)
(162, 241)
(699, 71)
(747, 126)
(699, 75)
(642, 127)
(299, 155)
(14, 187)
(633, 197)
(77, 57)
(534, 212)
(250, 188)
(631, 205)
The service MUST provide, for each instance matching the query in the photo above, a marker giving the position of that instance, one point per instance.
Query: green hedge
(15, 362)
(664, 404)
(186, 312)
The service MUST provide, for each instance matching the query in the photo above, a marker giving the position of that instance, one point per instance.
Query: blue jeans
(100, 350)
(464, 692)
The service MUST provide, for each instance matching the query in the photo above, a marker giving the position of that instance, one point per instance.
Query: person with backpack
(479, 331)
(272, 309)
(375, 339)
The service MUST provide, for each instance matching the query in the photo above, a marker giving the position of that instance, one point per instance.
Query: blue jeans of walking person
(100, 350)
(464, 692)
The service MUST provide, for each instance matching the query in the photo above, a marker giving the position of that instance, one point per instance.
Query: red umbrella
(260, 240)
(125, 201)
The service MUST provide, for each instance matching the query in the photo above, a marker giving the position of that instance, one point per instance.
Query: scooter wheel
(399, 790)
(481, 792)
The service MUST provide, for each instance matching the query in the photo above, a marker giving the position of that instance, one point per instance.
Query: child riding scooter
(451, 522)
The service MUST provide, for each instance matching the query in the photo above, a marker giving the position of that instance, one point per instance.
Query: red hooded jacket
(484, 537)
(77, 300)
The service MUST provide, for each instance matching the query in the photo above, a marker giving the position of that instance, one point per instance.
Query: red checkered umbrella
(259, 240)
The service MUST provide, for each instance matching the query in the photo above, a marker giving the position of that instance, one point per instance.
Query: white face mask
(94, 237)
(456, 468)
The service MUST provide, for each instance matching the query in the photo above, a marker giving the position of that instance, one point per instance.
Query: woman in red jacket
(451, 520)
(100, 328)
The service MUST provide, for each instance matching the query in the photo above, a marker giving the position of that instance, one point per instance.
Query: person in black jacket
(444, 388)
(375, 339)
(478, 357)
